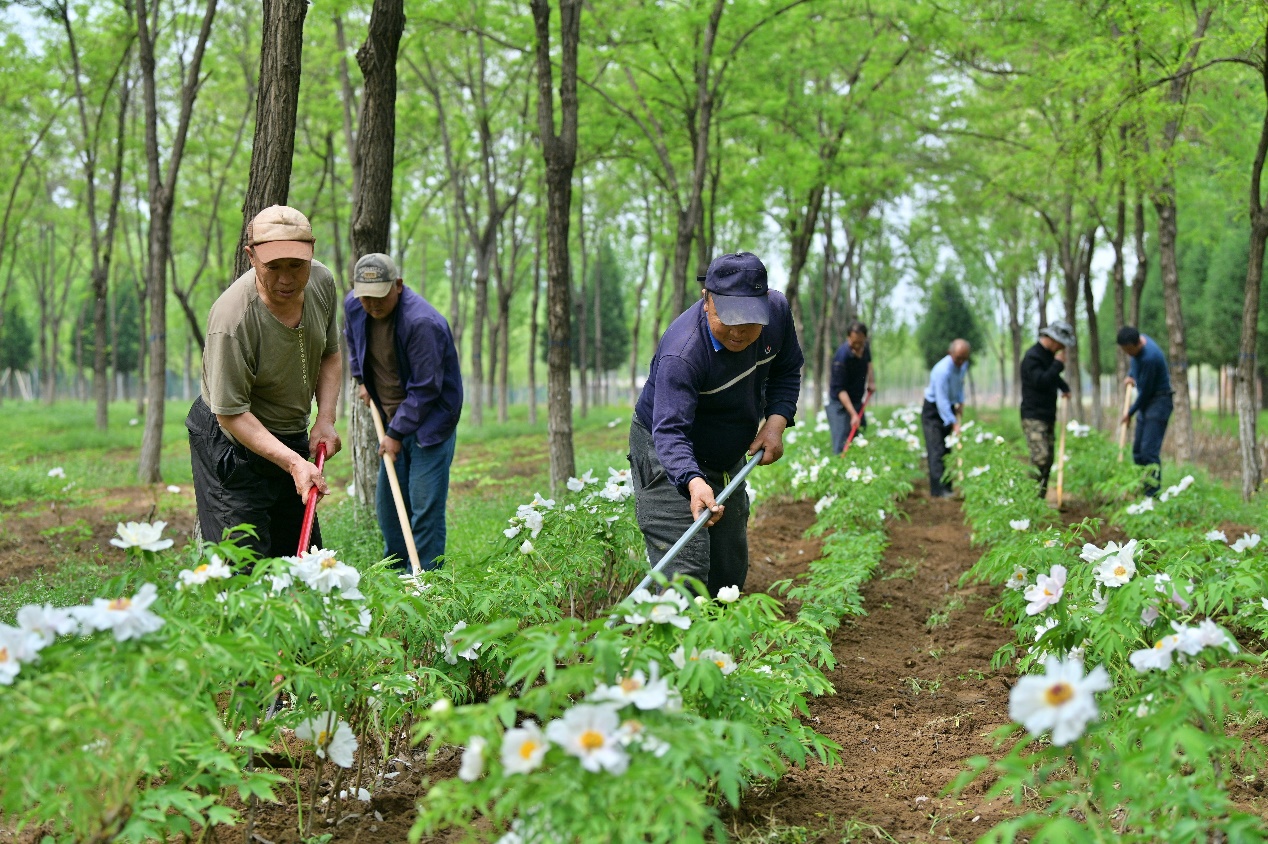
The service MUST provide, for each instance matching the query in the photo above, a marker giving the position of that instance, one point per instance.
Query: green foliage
(947, 318)
(17, 343)
(607, 277)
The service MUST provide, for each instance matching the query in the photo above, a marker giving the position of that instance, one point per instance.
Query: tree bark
(639, 294)
(370, 231)
(1142, 262)
(1247, 350)
(281, 50)
(583, 351)
(1118, 279)
(532, 319)
(559, 150)
(162, 198)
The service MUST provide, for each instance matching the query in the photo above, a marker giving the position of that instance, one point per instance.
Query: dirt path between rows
(916, 694)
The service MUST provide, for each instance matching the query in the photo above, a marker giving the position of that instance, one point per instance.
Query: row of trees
(582, 163)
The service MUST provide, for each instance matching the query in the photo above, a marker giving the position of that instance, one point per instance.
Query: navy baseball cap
(738, 284)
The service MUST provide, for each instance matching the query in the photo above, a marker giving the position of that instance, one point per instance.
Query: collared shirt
(703, 403)
(427, 364)
(1153, 376)
(946, 387)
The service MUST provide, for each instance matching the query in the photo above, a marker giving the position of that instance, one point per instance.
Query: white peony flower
(1143, 507)
(1149, 615)
(1216, 536)
(46, 622)
(322, 572)
(280, 582)
(1060, 700)
(979, 470)
(13, 644)
(511, 532)
(1092, 554)
(665, 608)
(57, 472)
(723, 661)
(1100, 602)
(147, 537)
(332, 738)
(533, 520)
(853, 473)
(1119, 568)
(589, 732)
(523, 748)
(526, 547)
(1159, 656)
(128, 618)
(173, 489)
(213, 568)
(824, 503)
(633, 733)
(643, 691)
(1019, 579)
(473, 759)
(576, 484)
(1206, 635)
(1019, 524)
(364, 620)
(1046, 590)
(471, 653)
(729, 594)
(538, 501)
(1248, 541)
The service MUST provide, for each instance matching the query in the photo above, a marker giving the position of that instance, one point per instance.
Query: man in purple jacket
(401, 352)
(724, 382)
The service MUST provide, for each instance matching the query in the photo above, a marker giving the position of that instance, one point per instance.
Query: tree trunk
(532, 319)
(1142, 263)
(281, 50)
(1247, 406)
(583, 350)
(1118, 279)
(560, 154)
(370, 231)
(638, 299)
(1182, 419)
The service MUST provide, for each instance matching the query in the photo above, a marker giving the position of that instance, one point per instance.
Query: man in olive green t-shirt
(272, 344)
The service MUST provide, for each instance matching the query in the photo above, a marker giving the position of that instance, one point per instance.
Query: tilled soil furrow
(915, 692)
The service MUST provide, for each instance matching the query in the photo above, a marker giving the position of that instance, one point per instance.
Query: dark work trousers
(839, 424)
(718, 556)
(936, 433)
(1151, 428)
(235, 486)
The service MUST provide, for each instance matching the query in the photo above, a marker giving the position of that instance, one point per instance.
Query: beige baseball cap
(280, 231)
(374, 275)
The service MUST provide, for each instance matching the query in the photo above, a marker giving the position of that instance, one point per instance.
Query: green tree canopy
(949, 317)
(16, 341)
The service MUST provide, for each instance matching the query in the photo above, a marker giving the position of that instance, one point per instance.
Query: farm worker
(724, 381)
(1040, 380)
(1149, 374)
(402, 354)
(852, 377)
(940, 416)
(272, 344)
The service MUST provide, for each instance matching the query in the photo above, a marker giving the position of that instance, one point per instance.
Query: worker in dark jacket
(1040, 381)
(401, 352)
(724, 382)
(851, 380)
(1151, 377)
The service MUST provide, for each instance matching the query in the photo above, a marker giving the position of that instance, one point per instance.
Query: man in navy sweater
(1152, 378)
(401, 352)
(724, 382)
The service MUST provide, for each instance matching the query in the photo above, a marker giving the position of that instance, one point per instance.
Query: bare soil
(915, 695)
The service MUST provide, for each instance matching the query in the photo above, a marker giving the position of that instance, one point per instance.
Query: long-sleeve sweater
(427, 364)
(1153, 376)
(703, 403)
(1040, 381)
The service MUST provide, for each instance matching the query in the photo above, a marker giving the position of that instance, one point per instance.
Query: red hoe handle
(310, 508)
(854, 429)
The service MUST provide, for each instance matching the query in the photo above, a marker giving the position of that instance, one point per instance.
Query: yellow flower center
(629, 684)
(119, 604)
(201, 569)
(720, 663)
(1160, 644)
(1120, 571)
(1058, 693)
(1046, 592)
(591, 740)
(323, 738)
(528, 748)
(329, 563)
(4, 654)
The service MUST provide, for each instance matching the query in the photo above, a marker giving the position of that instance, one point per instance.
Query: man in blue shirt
(940, 416)
(401, 352)
(1151, 377)
(852, 378)
(725, 364)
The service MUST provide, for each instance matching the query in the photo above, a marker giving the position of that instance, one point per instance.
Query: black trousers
(234, 486)
(718, 556)
(936, 433)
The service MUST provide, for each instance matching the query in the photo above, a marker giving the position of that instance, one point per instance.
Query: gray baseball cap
(374, 275)
(1059, 330)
